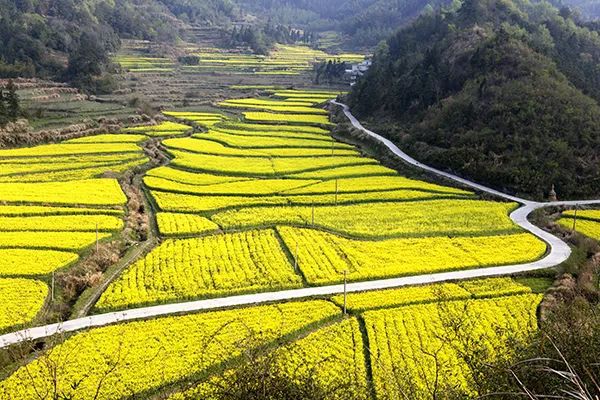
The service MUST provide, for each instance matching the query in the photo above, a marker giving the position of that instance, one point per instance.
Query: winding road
(559, 251)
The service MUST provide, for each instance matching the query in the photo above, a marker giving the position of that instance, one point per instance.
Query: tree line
(10, 109)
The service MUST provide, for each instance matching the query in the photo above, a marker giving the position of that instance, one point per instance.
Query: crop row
(323, 257)
(141, 357)
(209, 266)
(203, 146)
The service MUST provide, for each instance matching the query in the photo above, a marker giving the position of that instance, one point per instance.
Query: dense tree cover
(588, 8)
(364, 22)
(261, 38)
(10, 109)
(505, 92)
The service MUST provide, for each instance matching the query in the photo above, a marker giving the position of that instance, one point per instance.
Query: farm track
(558, 252)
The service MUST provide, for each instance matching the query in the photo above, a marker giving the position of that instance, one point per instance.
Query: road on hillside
(558, 252)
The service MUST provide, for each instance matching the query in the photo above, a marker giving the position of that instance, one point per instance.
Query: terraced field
(257, 198)
(402, 326)
(586, 222)
(55, 204)
(251, 207)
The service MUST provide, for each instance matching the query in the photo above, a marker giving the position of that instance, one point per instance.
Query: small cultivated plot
(203, 267)
(201, 118)
(333, 356)
(377, 183)
(270, 142)
(177, 224)
(75, 173)
(385, 219)
(323, 257)
(22, 299)
(22, 211)
(593, 215)
(33, 262)
(98, 192)
(203, 146)
(589, 228)
(302, 119)
(346, 172)
(64, 223)
(68, 149)
(282, 108)
(265, 102)
(75, 241)
(261, 166)
(461, 290)
(185, 202)
(166, 128)
(272, 129)
(392, 298)
(402, 341)
(192, 178)
(142, 357)
(252, 187)
(109, 138)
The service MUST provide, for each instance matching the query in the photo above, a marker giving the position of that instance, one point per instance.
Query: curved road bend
(559, 252)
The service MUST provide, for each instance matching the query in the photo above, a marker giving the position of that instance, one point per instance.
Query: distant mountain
(588, 8)
(502, 91)
(363, 22)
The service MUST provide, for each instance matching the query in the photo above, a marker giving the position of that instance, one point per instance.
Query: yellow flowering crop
(323, 257)
(42, 210)
(173, 224)
(281, 108)
(86, 192)
(266, 102)
(33, 262)
(168, 201)
(261, 166)
(411, 218)
(374, 183)
(392, 298)
(400, 340)
(67, 223)
(69, 149)
(154, 353)
(166, 128)
(307, 119)
(50, 240)
(256, 142)
(587, 227)
(200, 145)
(273, 129)
(192, 178)
(209, 266)
(332, 355)
(346, 172)
(109, 138)
(254, 186)
(584, 214)
(22, 299)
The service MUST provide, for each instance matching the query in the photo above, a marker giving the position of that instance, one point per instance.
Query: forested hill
(588, 8)
(503, 91)
(71, 39)
(362, 22)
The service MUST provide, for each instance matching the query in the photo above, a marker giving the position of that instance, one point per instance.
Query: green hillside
(502, 91)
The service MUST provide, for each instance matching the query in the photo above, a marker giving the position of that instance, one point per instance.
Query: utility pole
(575, 219)
(97, 244)
(345, 291)
(296, 259)
(336, 191)
(52, 286)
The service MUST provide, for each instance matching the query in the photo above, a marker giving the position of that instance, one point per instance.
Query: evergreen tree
(3, 113)
(12, 102)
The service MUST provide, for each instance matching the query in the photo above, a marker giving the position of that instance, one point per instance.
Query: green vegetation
(505, 92)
